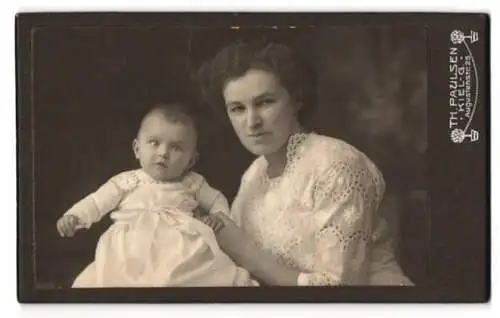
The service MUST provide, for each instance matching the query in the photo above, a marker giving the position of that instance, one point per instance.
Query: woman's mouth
(258, 135)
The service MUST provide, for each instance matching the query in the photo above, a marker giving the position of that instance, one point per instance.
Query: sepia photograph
(169, 151)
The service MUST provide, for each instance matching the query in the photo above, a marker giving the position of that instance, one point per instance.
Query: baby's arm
(94, 206)
(213, 201)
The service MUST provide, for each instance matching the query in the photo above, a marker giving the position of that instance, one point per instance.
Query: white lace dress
(155, 241)
(320, 216)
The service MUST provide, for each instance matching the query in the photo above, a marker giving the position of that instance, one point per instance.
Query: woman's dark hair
(236, 59)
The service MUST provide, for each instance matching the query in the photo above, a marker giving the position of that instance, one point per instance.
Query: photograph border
(458, 174)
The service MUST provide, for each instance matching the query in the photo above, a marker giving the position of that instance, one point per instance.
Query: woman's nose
(254, 119)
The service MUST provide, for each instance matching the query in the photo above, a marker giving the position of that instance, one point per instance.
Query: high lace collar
(143, 177)
(292, 154)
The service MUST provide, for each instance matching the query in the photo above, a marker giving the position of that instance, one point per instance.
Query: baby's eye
(176, 148)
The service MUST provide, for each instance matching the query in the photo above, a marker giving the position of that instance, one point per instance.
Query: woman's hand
(229, 231)
(230, 237)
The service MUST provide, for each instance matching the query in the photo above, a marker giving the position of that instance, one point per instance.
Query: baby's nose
(162, 150)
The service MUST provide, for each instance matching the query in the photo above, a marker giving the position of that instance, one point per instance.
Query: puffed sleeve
(209, 198)
(106, 198)
(212, 199)
(346, 197)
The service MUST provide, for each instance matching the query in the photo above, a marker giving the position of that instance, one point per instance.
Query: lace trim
(292, 156)
(281, 252)
(130, 179)
(265, 184)
(343, 179)
(193, 181)
(328, 279)
(343, 238)
(318, 279)
(126, 181)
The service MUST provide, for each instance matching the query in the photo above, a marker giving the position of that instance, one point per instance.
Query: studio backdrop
(92, 85)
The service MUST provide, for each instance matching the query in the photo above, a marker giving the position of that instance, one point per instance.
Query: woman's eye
(153, 143)
(176, 148)
(265, 101)
(236, 109)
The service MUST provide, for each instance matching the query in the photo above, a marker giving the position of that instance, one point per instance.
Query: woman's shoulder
(324, 151)
(335, 161)
(254, 169)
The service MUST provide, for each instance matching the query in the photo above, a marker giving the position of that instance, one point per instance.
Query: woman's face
(261, 111)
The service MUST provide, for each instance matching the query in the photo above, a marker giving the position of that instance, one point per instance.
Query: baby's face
(165, 149)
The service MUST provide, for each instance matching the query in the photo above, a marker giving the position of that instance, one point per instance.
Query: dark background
(91, 85)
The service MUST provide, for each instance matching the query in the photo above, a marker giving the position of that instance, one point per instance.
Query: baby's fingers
(60, 228)
(223, 218)
(218, 225)
(70, 229)
(68, 225)
(209, 222)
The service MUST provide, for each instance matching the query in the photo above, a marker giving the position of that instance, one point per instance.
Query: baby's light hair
(175, 112)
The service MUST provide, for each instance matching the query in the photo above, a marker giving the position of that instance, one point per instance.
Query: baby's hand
(213, 221)
(67, 225)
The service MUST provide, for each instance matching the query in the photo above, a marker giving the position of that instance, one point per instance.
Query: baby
(155, 240)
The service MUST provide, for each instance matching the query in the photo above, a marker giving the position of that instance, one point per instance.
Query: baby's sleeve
(211, 199)
(106, 198)
(220, 204)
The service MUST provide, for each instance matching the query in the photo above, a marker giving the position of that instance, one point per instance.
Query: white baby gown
(155, 241)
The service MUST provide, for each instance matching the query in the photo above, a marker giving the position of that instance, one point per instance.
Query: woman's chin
(260, 149)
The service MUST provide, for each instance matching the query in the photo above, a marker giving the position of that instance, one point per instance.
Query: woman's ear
(193, 160)
(135, 148)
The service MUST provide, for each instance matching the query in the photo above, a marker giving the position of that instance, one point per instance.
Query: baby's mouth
(161, 164)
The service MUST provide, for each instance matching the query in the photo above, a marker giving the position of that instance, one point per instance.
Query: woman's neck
(276, 162)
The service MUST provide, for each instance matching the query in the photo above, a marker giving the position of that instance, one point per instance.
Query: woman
(306, 209)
